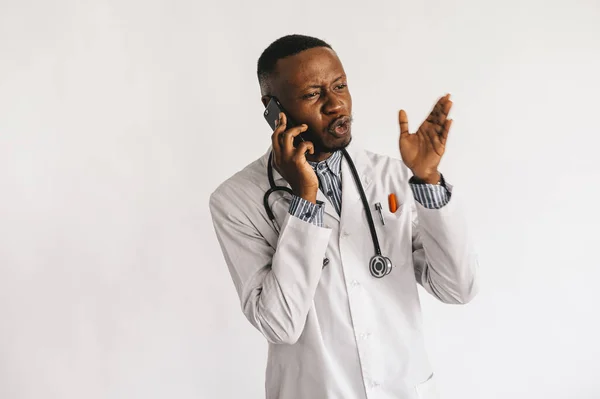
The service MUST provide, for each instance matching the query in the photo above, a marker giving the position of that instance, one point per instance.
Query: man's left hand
(422, 151)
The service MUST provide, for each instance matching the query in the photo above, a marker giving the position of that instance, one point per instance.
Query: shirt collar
(334, 163)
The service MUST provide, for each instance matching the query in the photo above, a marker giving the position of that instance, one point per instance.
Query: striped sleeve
(307, 211)
(431, 196)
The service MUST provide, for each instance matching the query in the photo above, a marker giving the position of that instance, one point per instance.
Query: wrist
(427, 177)
(307, 194)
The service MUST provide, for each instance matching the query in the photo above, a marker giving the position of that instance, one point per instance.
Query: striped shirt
(329, 173)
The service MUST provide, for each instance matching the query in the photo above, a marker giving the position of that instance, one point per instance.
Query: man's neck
(318, 157)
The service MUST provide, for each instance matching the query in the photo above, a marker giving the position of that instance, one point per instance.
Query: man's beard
(320, 146)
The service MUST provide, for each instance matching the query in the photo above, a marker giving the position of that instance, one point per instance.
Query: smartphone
(271, 114)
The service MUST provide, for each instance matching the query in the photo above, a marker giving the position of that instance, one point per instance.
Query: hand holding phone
(271, 114)
(289, 156)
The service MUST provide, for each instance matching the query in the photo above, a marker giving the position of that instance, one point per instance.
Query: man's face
(312, 87)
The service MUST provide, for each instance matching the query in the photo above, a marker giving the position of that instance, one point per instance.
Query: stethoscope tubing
(379, 265)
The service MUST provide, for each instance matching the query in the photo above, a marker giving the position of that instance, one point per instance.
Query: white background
(119, 118)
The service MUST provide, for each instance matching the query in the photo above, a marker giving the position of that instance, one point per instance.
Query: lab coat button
(372, 383)
(354, 283)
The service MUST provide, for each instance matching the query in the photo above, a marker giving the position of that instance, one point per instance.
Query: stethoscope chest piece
(380, 266)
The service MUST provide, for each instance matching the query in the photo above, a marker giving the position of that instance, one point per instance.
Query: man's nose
(333, 105)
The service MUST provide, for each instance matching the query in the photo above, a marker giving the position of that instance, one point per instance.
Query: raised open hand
(422, 151)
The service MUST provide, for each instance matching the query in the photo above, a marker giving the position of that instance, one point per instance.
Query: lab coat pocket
(427, 389)
(394, 231)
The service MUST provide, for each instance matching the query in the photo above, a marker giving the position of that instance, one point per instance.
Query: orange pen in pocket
(392, 202)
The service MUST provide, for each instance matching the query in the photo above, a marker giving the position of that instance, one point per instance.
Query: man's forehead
(309, 66)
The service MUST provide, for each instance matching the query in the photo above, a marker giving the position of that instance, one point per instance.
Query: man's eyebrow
(318, 86)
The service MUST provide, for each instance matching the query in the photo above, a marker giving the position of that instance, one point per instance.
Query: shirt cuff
(307, 211)
(431, 196)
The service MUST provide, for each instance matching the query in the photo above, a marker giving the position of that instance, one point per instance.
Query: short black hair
(284, 47)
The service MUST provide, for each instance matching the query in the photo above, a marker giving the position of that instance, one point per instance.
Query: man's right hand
(291, 161)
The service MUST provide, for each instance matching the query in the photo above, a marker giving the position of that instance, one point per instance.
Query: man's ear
(265, 99)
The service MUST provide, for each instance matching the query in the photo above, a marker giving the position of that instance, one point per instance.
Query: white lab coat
(338, 332)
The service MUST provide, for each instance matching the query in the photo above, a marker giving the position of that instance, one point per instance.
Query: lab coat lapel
(352, 206)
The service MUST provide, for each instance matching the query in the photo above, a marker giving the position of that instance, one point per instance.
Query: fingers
(435, 140)
(435, 112)
(440, 112)
(403, 121)
(445, 110)
(302, 149)
(444, 135)
(287, 139)
(276, 136)
(283, 140)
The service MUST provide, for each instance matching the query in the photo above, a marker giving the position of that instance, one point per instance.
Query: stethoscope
(379, 265)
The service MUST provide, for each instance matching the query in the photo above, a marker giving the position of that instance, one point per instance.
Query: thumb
(403, 121)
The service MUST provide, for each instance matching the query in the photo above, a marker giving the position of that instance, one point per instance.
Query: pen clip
(378, 208)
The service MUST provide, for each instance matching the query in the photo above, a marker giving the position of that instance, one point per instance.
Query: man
(337, 328)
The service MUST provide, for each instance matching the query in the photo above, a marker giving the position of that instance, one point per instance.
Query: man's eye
(311, 95)
(342, 86)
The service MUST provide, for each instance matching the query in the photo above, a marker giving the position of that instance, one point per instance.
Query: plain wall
(119, 118)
